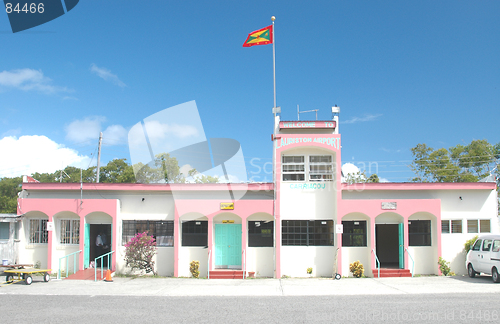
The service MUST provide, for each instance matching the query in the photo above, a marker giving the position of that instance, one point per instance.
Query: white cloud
(365, 118)
(29, 79)
(84, 130)
(383, 180)
(114, 134)
(29, 154)
(349, 168)
(88, 129)
(106, 75)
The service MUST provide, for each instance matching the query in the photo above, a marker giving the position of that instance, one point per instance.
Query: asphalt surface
(175, 300)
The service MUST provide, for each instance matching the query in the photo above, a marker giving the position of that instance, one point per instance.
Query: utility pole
(99, 157)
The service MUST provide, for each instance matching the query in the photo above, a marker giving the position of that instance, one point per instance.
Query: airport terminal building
(308, 219)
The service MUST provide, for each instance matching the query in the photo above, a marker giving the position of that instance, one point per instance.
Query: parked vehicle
(484, 257)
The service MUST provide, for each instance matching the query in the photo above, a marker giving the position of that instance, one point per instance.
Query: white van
(484, 257)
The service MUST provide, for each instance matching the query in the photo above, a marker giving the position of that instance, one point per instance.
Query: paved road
(443, 308)
(388, 300)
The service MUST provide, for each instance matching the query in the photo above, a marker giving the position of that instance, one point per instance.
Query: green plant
(37, 265)
(139, 252)
(357, 269)
(193, 268)
(468, 244)
(444, 267)
(285, 277)
(309, 271)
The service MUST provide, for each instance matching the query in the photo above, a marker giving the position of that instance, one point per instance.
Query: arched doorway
(97, 224)
(389, 240)
(227, 229)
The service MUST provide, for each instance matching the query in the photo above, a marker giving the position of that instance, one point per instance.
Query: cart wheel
(46, 277)
(9, 278)
(28, 280)
(337, 276)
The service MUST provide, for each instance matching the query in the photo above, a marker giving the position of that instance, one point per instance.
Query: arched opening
(98, 236)
(66, 238)
(356, 241)
(193, 243)
(389, 240)
(423, 243)
(227, 237)
(260, 242)
(34, 232)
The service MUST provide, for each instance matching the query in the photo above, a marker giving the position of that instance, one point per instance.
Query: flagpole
(274, 64)
(274, 150)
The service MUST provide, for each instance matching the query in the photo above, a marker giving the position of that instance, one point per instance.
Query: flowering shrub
(357, 269)
(139, 252)
(194, 267)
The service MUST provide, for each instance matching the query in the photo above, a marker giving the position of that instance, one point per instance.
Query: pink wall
(210, 209)
(51, 207)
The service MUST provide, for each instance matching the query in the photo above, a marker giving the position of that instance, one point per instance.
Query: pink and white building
(308, 219)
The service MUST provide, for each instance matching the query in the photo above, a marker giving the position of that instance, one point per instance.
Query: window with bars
(320, 168)
(451, 226)
(354, 233)
(260, 234)
(38, 231)
(484, 226)
(293, 168)
(195, 233)
(472, 226)
(4, 230)
(307, 232)
(419, 233)
(162, 231)
(70, 231)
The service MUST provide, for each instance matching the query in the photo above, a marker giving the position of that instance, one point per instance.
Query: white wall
(352, 254)
(308, 203)
(260, 261)
(188, 254)
(164, 261)
(296, 259)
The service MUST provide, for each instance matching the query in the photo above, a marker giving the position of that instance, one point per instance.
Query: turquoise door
(401, 246)
(227, 245)
(86, 247)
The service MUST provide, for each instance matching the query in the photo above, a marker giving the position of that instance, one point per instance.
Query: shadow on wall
(457, 264)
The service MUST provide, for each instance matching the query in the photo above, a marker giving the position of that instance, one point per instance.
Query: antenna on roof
(300, 112)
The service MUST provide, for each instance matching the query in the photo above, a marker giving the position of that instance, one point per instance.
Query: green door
(86, 247)
(227, 245)
(401, 247)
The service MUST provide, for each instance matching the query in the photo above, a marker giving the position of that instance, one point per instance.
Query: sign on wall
(226, 205)
(228, 221)
(50, 226)
(389, 205)
(339, 229)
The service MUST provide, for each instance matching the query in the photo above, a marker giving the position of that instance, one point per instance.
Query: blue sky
(403, 73)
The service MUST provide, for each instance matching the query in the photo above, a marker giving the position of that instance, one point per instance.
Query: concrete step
(226, 274)
(391, 273)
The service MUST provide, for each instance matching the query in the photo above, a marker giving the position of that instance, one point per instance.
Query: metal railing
(108, 255)
(413, 262)
(208, 264)
(378, 262)
(67, 264)
(244, 265)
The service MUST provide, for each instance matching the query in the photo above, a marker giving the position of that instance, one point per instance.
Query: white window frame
(450, 226)
(303, 164)
(41, 230)
(320, 173)
(72, 239)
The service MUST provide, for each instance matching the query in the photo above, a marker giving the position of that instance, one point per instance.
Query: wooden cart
(17, 275)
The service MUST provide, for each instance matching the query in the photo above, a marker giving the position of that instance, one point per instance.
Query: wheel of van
(470, 271)
(495, 276)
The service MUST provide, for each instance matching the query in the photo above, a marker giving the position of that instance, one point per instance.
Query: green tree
(9, 188)
(459, 163)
